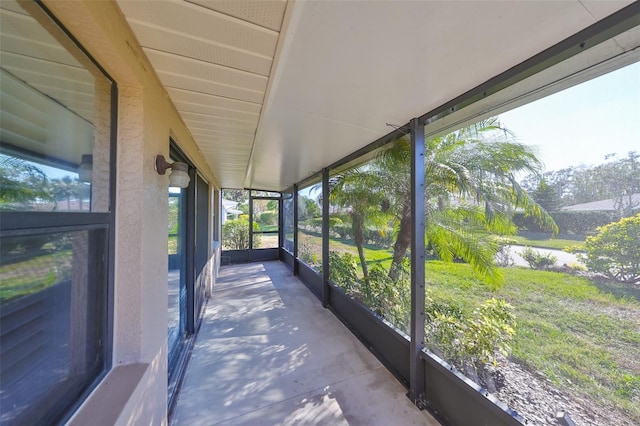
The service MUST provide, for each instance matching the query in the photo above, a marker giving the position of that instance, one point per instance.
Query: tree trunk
(357, 223)
(403, 241)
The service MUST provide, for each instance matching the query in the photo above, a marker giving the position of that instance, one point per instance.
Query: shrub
(503, 253)
(538, 260)
(307, 253)
(386, 297)
(235, 234)
(615, 250)
(342, 271)
(269, 217)
(343, 231)
(470, 339)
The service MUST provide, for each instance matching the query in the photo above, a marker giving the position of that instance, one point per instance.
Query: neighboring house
(229, 210)
(611, 204)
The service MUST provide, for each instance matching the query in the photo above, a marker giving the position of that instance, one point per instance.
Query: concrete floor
(268, 354)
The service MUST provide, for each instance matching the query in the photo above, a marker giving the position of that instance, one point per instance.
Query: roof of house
(604, 205)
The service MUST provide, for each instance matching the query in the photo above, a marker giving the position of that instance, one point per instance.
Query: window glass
(310, 225)
(177, 252)
(55, 127)
(52, 322)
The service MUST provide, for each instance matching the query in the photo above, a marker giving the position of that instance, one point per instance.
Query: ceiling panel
(266, 13)
(196, 21)
(213, 101)
(202, 49)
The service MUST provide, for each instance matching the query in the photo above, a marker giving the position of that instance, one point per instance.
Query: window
(266, 213)
(310, 225)
(287, 221)
(56, 220)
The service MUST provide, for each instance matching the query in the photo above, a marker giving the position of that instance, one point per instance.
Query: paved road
(562, 256)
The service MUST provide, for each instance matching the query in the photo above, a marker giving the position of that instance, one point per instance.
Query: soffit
(214, 58)
(343, 70)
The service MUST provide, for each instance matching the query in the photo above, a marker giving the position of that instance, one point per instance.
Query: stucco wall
(146, 120)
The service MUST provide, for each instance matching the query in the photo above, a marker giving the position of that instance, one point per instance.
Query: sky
(582, 124)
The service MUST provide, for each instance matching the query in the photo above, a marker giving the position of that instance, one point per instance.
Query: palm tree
(470, 190)
(360, 191)
(66, 188)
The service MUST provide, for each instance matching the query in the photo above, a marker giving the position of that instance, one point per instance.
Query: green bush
(538, 260)
(569, 222)
(388, 298)
(475, 339)
(235, 234)
(615, 250)
(269, 217)
(343, 231)
(342, 271)
(307, 253)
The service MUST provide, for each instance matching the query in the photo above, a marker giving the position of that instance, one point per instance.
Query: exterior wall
(146, 120)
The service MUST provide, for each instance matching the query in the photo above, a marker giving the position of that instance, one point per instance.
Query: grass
(549, 243)
(33, 275)
(583, 335)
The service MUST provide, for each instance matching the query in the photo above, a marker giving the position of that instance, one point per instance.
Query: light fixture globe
(179, 175)
(179, 172)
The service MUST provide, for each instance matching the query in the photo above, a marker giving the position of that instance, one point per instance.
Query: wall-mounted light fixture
(85, 169)
(179, 176)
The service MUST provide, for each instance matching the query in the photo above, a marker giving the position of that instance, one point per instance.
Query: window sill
(109, 400)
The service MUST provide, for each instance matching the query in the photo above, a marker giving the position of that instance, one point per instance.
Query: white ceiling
(268, 108)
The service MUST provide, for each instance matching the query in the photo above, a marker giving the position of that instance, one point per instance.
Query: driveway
(562, 256)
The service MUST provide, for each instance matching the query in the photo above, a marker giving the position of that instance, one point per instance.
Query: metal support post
(250, 224)
(295, 230)
(416, 368)
(325, 238)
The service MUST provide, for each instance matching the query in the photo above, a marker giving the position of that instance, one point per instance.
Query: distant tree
(22, 182)
(546, 196)
(66, 188)
(308, 208)
(237, 195)
(272, 205)
(616, 178)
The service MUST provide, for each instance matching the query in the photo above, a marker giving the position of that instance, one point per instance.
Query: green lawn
(581, 334)
(571, 329)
